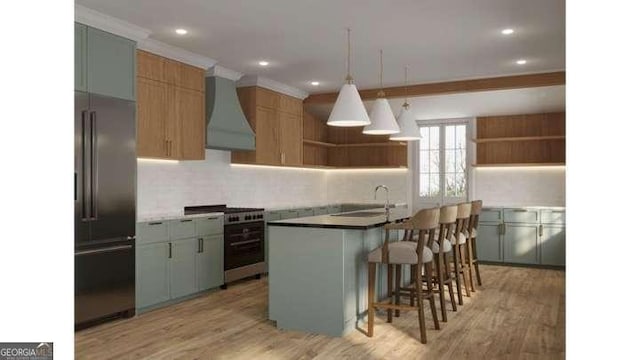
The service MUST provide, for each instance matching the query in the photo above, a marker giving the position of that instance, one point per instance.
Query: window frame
(442, 198)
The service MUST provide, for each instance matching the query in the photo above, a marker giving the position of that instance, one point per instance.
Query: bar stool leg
(390, 291)
(449, 280)
(419, 298)
(475, 260)
(456, 267)
(466, 270)
(469, 263)
(398, 286)
(432, 301)
(371, 298)
(440, 278)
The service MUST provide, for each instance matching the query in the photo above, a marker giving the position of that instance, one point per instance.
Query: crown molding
(255, 80)
(176, 53)
(110, 24)
(224, 72)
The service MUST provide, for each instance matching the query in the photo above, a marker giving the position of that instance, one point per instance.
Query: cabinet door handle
(541, 229)
(186, 220)
(503, 228)
(200, 245)
(170, 251)
(520, 210)
(156, 223)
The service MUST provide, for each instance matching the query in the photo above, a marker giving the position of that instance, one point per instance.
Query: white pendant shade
(348, 109)
(382, 120)
(408, 127)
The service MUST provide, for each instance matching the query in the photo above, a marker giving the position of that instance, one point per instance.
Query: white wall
(165, 188)
(521, 186)
(358, 186)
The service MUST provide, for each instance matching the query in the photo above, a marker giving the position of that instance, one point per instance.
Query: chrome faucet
(386, 204)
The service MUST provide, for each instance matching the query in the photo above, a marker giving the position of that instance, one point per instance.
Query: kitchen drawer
(548, 216)
(320, 210)
(152, 232)
(333, 209)
(210, 225)
(305, 212)
(491, 215)
(182, 229)
(521, 216)
(288, 214)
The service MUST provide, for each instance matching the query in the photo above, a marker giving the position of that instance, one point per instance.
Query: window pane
(424, 184)
(434, 161)
(461, 137)
(450, 137)
(461, 161)
(450, 161)
(461, 184)
(424, 161)
(434, 137)
(450, 184)
(434, 185)
(424, 140)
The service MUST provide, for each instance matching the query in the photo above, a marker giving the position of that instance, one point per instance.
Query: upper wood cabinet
(531, 139)
(104, 63)
(277, 121)
(170, 104)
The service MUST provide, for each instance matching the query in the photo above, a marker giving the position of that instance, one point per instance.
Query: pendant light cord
(406, 87)
(381, 92)
(349, 78)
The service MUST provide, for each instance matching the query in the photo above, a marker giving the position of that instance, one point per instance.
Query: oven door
(243, 244)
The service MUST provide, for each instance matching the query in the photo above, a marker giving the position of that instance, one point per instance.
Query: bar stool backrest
(462, 220)
(425, 222)
(476, 208)
(448, 215)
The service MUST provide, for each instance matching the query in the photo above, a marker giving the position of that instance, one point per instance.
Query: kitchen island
(318, 269)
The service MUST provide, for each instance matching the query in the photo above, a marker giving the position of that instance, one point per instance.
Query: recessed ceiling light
(521, 62)
(507, 31)
(263, 63)
(181, 31)
(315, 83)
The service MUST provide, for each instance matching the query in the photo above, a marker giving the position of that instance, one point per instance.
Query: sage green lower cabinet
(320, 210)
(489, 242)
(209, 262)
(269, 216)
(152, 274)
(182, 267)
(305, 212)
(521, 243)
(552, 245)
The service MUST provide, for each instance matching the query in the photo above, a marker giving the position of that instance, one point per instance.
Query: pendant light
(348, 111)
(382, 120)
(406, 120)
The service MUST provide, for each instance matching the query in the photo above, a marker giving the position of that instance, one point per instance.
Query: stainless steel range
(244, 248)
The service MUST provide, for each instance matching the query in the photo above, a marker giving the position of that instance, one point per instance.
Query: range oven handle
(245, 242)
(99, 251)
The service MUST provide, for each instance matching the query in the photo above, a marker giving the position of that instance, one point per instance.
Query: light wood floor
(518, 314)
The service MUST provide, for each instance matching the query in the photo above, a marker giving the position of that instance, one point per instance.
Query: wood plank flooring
(519, 313)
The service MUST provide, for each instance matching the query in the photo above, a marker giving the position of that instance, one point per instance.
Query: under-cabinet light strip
(319, 169)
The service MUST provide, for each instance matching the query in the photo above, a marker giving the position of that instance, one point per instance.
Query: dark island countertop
(354, 220)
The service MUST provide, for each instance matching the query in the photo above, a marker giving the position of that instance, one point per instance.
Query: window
(442, 163)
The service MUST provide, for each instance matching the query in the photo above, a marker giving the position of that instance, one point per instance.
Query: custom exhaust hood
(227, 127)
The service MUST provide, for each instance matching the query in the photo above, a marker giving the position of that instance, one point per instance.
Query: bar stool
(472, 234)
(459, 240)
(442, 277)
(410, 253)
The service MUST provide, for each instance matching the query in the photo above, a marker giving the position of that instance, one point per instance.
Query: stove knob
(247, 217)
(260, 216)
(255, 217)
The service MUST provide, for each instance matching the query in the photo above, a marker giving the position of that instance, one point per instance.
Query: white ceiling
(305, 40)
(486, 103)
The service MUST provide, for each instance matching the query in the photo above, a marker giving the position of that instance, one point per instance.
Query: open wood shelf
(519, 164)
(326, 144)
(519, 138)
(317, 143)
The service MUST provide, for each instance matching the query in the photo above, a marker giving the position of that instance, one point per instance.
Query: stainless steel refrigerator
(105, 211)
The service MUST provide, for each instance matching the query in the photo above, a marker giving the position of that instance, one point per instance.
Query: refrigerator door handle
(85, 141)
(94, 166)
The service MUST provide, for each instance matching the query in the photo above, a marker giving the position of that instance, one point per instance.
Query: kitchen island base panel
(318, 277)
